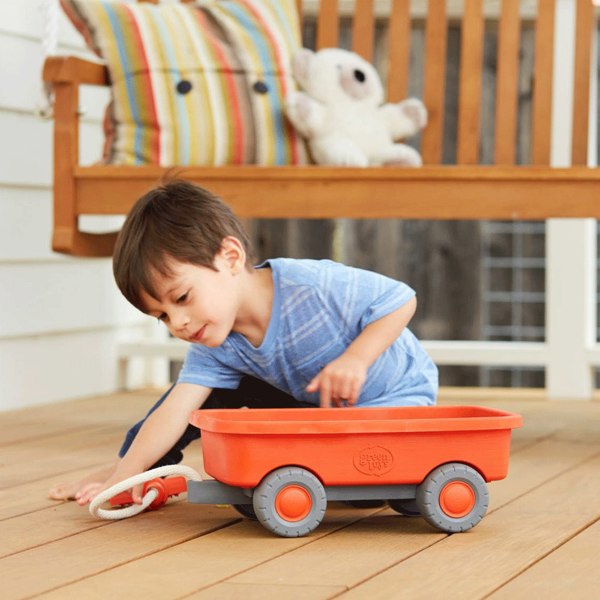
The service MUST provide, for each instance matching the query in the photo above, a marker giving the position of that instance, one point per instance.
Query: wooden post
(570, 247)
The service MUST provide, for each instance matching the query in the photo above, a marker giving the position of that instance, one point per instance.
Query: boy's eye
(182, 298)
(162, 317)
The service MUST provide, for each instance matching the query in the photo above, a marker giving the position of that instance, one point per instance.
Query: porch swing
(466, 190)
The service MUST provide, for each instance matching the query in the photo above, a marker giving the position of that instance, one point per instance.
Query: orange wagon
(283, 466)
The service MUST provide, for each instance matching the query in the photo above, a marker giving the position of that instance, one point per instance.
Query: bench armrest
(66, 74)
(71, 69)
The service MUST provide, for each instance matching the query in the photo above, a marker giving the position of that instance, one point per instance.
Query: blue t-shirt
(319, 308)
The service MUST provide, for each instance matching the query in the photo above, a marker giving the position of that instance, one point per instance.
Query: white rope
(51, 10)
(122, 486)
(50, 39)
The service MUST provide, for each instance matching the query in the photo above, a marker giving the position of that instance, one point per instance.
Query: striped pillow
(195, 84)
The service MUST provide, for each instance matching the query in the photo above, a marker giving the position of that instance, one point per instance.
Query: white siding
(60, 318)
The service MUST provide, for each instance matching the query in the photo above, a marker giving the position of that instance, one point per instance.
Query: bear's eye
(359, 76)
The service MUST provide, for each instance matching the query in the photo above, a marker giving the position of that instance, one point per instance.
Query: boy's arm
(342, 379)
(161, 430)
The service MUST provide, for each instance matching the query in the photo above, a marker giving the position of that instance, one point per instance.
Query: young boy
(285, 333)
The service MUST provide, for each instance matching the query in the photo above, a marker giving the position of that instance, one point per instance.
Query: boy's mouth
(198, 335)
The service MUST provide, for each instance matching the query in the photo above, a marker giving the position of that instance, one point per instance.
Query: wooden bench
(467, 190)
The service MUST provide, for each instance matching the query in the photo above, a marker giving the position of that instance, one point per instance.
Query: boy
(306, 332)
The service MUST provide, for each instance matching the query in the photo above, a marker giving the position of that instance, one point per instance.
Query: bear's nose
(359, 75)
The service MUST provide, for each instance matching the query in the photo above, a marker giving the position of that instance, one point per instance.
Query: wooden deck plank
(535, 466)
(44, 527)
(55, 439)
(54, 565)
(562, 574)
(21, 463)
(32, 496)
(546, 510)
(196, 563)
(348, 557)
(504, 544)
(63, 417)
(327, 559)
(234, 591)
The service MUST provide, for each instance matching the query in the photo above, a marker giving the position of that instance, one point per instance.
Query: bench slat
(363, 29)
(471, 64)
(300, 11)
(328, 32)
(584, 26)
(432, 192)
(436, 33)
(507, 84)
(541, 127)
(399, 50)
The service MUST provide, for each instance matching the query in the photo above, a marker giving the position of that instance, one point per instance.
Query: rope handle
(167, 487)
(51, 9)
(155, 494)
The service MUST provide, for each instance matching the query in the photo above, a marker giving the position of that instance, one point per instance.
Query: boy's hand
(340, 381)
(89, 492)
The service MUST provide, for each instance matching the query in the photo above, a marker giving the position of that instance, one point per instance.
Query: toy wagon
(283, 466)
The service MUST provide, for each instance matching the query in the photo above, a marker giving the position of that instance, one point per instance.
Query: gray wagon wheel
(247, 510)
(453, 497)
(406, 507)
(290, 502)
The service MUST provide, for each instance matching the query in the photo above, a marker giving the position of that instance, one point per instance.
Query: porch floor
(540, 537)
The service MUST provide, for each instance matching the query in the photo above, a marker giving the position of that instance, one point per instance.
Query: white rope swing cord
(51, 12)
(122, 486)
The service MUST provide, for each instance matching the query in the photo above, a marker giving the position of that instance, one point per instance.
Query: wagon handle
(165, 488)
(156, 491)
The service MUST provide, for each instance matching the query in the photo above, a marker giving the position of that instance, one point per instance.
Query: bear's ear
(300, 62)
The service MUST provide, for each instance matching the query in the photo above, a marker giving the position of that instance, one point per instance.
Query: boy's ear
(233, 253)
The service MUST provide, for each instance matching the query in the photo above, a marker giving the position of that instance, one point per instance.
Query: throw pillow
(195, 84)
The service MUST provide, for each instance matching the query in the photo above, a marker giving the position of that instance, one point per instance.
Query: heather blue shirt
(319, 308)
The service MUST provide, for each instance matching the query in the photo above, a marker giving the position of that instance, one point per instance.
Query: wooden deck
(540, 537)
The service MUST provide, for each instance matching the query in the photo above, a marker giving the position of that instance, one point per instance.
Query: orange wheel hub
(293, 503)
(457, 499)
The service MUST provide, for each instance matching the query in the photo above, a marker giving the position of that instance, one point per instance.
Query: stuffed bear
(341, 112)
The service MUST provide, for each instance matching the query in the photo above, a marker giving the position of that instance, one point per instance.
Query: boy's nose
(181, 322)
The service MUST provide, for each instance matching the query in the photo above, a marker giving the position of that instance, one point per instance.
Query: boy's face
(197, 304)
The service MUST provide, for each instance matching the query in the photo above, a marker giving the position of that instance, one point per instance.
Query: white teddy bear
(340, 112)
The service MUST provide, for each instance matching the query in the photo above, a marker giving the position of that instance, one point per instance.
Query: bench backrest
(366, 14)
(472, 24)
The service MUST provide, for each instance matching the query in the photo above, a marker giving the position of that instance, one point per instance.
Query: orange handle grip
(171, 486)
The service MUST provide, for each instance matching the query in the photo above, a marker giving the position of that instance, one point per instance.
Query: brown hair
(174, 220)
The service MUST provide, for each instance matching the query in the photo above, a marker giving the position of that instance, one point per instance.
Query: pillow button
(184, 87)
(260, 87)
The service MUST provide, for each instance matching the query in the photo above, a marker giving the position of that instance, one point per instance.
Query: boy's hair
(174, 220)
